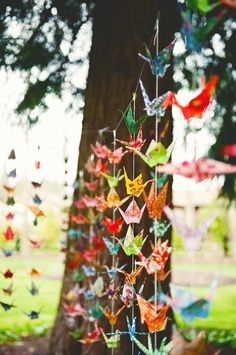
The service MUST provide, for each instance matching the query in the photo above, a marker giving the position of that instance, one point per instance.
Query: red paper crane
(9, 234)
(113, 227)
(8, 274)
(198, 105)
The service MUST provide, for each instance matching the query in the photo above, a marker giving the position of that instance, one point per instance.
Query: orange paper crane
(197, 106)
(111, 316)
(154, 203)
(229, 3)
(155, 319)
(131, 278)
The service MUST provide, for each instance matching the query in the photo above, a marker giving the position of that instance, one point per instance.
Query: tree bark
(120, 28)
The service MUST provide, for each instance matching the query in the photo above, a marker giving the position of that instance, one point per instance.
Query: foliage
(14, 323)
(216, 55)
(40, 40)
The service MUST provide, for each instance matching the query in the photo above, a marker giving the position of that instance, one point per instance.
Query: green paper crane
(163, 350)
(113, 181)
(133, 125)
(156, 153)
(111, 342)
(204, 6)
(132, 245)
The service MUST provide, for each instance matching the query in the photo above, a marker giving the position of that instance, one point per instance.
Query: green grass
(221, 323)
(14, 323)
(222, 313)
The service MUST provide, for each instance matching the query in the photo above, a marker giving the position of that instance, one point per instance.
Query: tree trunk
(119, 31)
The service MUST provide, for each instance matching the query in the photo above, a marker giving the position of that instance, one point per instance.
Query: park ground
(21, 336)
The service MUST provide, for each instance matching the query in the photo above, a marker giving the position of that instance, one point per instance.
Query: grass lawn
(14, 323)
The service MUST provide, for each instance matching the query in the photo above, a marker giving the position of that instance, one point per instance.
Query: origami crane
(89, 202)
(89, 254)
(156, 106)
(79, 219)
(96, 168)
(36, 184)
(37, 164)
(10, 201)
(8, 274)
(111, 342)
(8, 252)
(74, 310)
(8, 290)
(136, 186)
(204, 6)
(9, 189)
(35, 244)
(111, 246)
(37, 213)
(135, 141)
(73, 294)
(111, 316)
(198, 105)
(194, 35)
(192, 236)
(7, 306)
(113, 227)
(101, 203)
(101, 151)
(229, 3)
(98, 242)
(163, 350)
(12, 155)
(229, 150)
(89, 270)
(32, 314)
(130, 241)
(115, 156)
(190, 306)
(155, 154)
(130, 278)
(154, 318)
(33, 290)
(158, 258)
(159, 228)
(12, 173)
(10, 216)
(112, 290)
(91, 185)
(161, 61)
(155, 203)
(113, 199)
(95, 313)
(199, 170)
(37, 200)
(132, 214)
(112, 272)
(9, 234)
(113, 181)
(131, 329)
(133, 125)
(91, 337)
(98, 287)
(33, 272)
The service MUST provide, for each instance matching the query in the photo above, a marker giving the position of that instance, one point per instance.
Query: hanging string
(133, 176)
(113, 219)
(156, 38)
